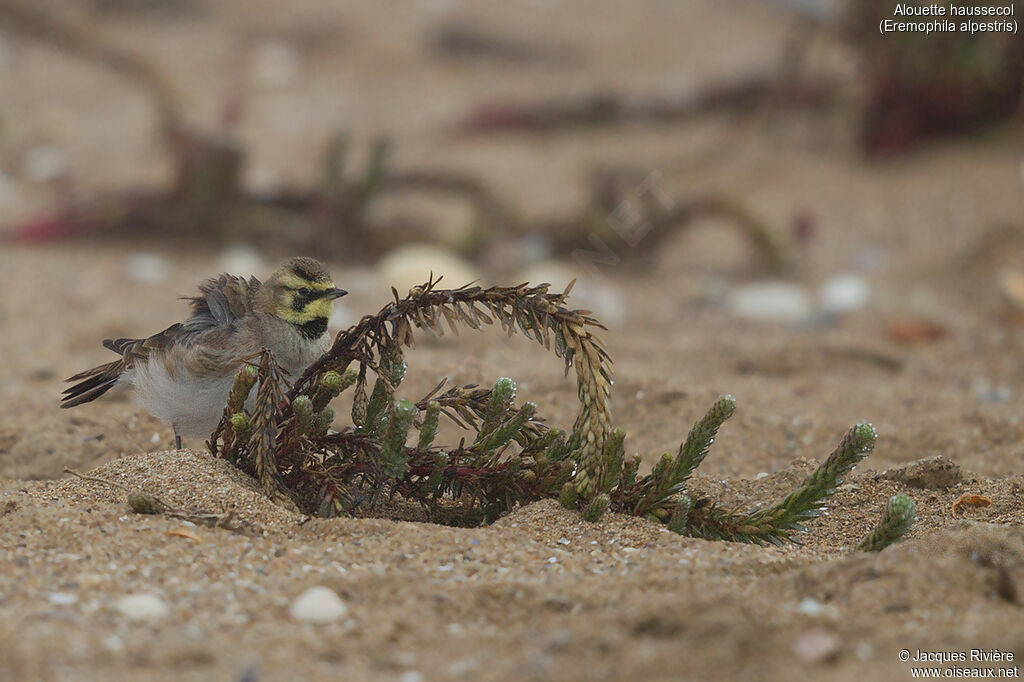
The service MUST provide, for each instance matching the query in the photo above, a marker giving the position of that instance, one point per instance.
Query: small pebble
(763, 474)
(816, 646)
(148, 268)
(411, 265)
(242, 261)
(813, 607)
(318, 605)
(44, 163)
(113, 644)
(262, 181)
(142, 606)
(843, 294)
(62, 599)
(771, 300)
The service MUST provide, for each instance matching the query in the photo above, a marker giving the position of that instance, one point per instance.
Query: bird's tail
(93, 383)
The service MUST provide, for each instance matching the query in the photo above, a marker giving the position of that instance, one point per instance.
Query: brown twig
(143, 502)
(743, 96)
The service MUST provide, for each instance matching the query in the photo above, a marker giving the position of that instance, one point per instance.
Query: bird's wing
(224, 300)
(131, 350)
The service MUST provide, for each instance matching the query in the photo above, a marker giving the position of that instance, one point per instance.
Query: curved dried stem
(533, 310)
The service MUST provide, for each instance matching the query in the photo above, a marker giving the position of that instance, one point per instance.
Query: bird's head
(301, 292)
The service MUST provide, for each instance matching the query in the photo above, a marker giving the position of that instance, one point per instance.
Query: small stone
(44, 163)
(813, 607)
(142, 502)
(411, 265)
(262, 181)
(242, 261)
(770, 300)
(318, 605)
(816, 646)
(843, 294)
(62, 599)
(763, 474)
(148, 268)
(142, 606)
(113, 644)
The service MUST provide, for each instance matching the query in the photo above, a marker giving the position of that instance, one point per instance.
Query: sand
(540, 594)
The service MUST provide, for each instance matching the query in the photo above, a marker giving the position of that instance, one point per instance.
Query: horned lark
(183, 374)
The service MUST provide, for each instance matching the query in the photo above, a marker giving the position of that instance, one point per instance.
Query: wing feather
(223, 301)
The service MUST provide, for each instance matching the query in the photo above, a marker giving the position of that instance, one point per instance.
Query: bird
(183, 374)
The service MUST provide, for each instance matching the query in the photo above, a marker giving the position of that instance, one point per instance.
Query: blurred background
(763, 197)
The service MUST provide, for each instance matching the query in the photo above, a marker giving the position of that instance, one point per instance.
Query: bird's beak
(331, 294)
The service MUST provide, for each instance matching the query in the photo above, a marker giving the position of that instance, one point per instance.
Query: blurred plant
(207, 198)
(922, 85)
(912, 85)
(896, 521)
(511, 457)
(738, 97)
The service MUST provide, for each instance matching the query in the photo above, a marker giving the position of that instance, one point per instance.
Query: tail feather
(92, 383)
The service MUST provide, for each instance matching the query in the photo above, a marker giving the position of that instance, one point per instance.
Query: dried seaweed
(740, 97)
(207, 199)
(512, 457)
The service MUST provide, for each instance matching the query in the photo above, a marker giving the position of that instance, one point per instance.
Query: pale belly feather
(193, 404)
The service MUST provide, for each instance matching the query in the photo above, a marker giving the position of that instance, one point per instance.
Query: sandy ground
(540, 594)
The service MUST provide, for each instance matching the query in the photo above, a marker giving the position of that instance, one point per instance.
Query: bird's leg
(177, 439)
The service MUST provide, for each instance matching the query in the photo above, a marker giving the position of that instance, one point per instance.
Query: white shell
(318, 605)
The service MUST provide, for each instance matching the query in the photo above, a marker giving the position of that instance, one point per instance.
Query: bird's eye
(304, 291)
